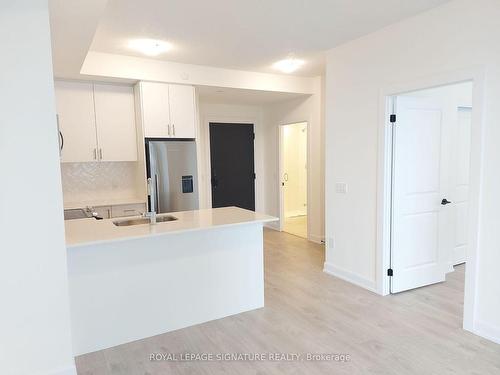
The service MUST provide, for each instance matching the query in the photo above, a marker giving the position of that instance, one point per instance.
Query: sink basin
(126, 223)
(143, 220)
(162, 219)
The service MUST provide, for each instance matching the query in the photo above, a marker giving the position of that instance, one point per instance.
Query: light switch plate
(331, 244)
(341, 187)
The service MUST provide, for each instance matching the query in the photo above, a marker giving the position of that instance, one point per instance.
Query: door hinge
(254, 176)
(390, 272)
(253, 136)
(392, 119)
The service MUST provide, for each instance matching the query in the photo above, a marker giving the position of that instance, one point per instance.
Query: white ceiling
(223, 95)
(72, 27)
(247, 35)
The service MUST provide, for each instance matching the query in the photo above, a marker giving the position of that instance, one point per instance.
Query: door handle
(215, 182)
(61, 142)
(445, 201)
(61, 137)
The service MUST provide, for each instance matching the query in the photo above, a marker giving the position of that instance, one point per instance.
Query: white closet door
(75, 110)
(115, 119)
(421, 234)
(182, 111)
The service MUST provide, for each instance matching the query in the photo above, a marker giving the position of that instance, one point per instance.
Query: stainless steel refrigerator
(172, 175)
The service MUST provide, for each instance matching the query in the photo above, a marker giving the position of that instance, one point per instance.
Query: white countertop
(103, 202)
(83, 232)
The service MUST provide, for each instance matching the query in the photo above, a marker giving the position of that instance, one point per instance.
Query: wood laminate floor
(296, 225)
(416, 332)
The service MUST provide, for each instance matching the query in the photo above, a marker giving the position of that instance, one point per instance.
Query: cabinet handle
(100, 153)
(95, 153)
(173, 127)
(61, 137)
(168, 127)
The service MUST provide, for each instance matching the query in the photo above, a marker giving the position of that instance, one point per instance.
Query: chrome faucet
(93, 213)
(151, 215)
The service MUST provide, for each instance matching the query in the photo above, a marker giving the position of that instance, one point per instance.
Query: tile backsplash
(99, 181)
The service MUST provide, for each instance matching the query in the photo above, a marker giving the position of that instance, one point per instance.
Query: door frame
(384, 181)
(281, 203)
(205, 165)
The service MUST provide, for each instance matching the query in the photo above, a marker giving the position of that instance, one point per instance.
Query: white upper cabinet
(182, 111)
(155, 111)
(75, 111)
(115, 119)
(167, 111)
(97, 122)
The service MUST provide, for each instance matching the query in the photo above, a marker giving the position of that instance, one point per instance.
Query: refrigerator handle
(157, 194)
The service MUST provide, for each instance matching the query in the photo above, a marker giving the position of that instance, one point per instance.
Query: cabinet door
(128, 210)
(182, 111)
(115, 121)
(155, 110)
(75, 110)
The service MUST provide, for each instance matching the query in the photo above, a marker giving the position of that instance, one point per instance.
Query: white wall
(455, 37)
(310, 110)
(267, 118)
(34, 314)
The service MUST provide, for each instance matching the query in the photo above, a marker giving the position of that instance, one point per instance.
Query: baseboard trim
(487, 331)
(350, 277)
(317, 239)
(69, 370)
(273, 225)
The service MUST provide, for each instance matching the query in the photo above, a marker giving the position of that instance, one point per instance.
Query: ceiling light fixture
(150, 47)
(288, 65)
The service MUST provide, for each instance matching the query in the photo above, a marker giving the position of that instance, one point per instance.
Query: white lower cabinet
(120, 210)
(128, 210)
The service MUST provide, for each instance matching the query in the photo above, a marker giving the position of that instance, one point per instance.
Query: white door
(182, 111)
(115, 119)
(460, 164)
(421, 232)
(75, 111)
(155, 109)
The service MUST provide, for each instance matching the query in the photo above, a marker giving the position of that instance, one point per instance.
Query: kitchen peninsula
(131, 282)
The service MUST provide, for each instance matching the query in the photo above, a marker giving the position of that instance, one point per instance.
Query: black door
(232, 163)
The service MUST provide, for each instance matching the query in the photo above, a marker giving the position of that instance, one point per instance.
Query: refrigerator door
(173, 172)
